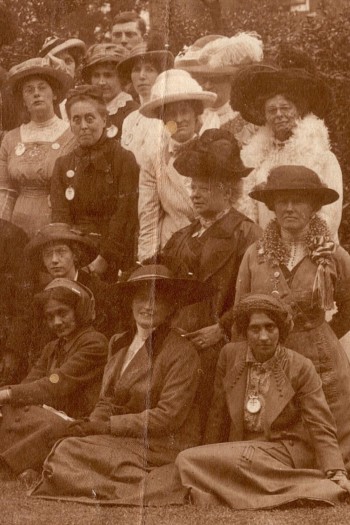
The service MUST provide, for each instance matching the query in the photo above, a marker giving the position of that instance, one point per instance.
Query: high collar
(81, 151)
(118, 102)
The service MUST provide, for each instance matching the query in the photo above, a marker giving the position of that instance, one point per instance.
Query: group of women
(223, 381)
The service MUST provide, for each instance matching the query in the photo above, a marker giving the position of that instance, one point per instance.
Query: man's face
(127, 35)
(262, 336)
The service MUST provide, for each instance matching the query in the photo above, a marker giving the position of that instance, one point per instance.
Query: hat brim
(33, 250)
(182, 291)
(164, 58)
(254, 87)
(205, 70)
(151, 109)
(60, 79)
(323, 196)
(72, 43)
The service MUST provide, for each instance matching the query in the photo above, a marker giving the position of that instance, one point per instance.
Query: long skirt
(110, 470)
(251, 475)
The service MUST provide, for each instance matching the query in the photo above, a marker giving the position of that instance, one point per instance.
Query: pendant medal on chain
(253, 404)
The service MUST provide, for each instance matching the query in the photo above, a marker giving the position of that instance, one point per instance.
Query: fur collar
(308, 145)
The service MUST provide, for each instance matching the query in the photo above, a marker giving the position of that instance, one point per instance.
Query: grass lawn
(18, 509)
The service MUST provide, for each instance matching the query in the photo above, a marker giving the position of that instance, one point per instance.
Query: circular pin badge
(54, 378)
(276, 274)
(70, 174)
(20, 149)
(55, 145)
(275, 293)
(171, 126)
(112, 131)
(70, 193)
(253, 405)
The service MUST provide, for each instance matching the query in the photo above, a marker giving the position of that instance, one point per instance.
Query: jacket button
(17, 419)
(26, 409)
(308, 325)
(291, 443)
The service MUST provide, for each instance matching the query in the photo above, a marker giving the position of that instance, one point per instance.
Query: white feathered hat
(220, 55)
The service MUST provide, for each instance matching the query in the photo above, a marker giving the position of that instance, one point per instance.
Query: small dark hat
(182, 290)
(294, 179)
(59, 232)
(255, 84)
(94, 92)
(214, 155)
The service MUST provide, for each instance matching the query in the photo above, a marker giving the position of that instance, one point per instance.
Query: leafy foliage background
(324, 37)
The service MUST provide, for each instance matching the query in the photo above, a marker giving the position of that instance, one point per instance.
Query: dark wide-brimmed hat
(182, 290)
(215, 155)
(59, 80)
(296, 179)
(257, 83)
(59, 232)
(142, 52)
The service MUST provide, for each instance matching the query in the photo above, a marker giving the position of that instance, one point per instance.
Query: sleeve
(218, 423)
(150, 212)
(318, 419)
(118, 245)
(8, 190)
(332, 176)
(80, 369)
(59, 204)
(340, 322)
(174, 402)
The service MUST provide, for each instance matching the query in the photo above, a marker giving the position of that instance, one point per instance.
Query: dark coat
(105, 185)
(118, 118)
(296, 410)
(67, 378)
(155, 395)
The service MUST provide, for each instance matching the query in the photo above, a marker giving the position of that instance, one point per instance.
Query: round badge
(275, 293)
(70, 174)
(276, 274)
(70, 193)
(171, 126)
(20, 149)
(253, 405)
(55, 145)
(54, 378)
(112, 131)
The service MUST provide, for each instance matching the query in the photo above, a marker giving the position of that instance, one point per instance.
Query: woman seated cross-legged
(146, 413)
(67, 377)
(271, 437)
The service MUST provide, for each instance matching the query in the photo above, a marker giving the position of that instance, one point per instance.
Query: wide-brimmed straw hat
(181, 290)
(296, 179)
(55, 45)
(59, 232)
(174, 85)
(102, 54)
(220, 55)
(255, 84)
(57, 77)
(215, 155)
(163, 59)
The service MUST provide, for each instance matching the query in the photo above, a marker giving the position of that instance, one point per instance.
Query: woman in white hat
(164, 201)
(28, 153)
(142, 67)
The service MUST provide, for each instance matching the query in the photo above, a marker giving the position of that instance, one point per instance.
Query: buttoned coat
(68, 380)
(296, 411)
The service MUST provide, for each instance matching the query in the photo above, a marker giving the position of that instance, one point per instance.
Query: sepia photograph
(175, 262)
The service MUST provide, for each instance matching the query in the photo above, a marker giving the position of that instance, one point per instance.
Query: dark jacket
(118, 118)
(154, 398)
(105, 188)
(296, 411)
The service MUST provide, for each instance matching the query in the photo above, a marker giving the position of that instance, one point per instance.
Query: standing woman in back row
(28, 153)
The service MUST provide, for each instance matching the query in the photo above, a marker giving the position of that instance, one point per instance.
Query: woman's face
(181, 117)
(69, 62)
(281, 116)
(143, 76)
(60, 318)
(208, 199)
(105, 76)
(38, 97)
(220, 85)
(86, 122)
(293, 211)
(149, 310)
(262, 336)
(59, 260)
